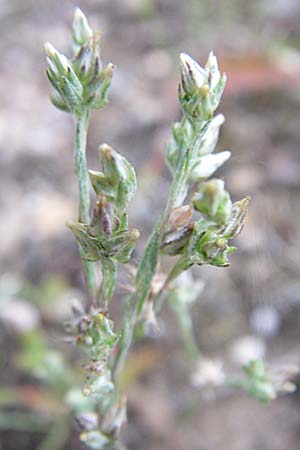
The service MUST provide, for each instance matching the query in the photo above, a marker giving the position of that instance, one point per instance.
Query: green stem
(133, 312)
(134, 307)
(179, 186)
(106, 290)
(128, 324)
(81, 171)
(187, 333)
(177, 194)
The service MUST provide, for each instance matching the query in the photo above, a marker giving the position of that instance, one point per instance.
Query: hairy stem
(108, 284)
(129, 321)
(81, 171)
(179, 186)
(177, 194)
(187, 333)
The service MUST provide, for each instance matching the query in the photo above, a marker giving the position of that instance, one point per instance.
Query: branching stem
(176, 197)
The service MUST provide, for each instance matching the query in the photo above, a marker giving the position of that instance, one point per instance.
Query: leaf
(126, 250)
(72, 96)
(87, 245)
(208, 140)
(101, 184)
(236, 221)
(147, 269)
(174, 242)
(208, 164)
(59, 102)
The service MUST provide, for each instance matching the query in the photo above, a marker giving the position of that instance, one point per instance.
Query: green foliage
(146, 270)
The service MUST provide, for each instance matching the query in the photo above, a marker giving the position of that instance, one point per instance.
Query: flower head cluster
(81, 82)
(201, 88)
(107, 237)
(191, 158)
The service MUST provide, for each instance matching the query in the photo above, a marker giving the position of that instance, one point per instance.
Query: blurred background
(253, 307)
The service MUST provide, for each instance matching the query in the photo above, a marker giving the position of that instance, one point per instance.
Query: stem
(129, 321)
(179, 186)
(108, 283)
(81, 171)
(177, 194)
(139, 297)
(187, 333)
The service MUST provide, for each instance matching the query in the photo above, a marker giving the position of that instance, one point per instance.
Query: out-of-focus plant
(192, 232)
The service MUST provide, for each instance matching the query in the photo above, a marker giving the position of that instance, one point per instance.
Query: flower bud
(213, 69)
(87, 65)
(88, 420)
(211, 249)
(98, 89)
(64, 80)
(81, 83)
(95, 439)
(193, 76)
(201, 89)
(117, 179)
(112, 163)
(102, 218)
(58, 60)
(81, 31)
(212, 201)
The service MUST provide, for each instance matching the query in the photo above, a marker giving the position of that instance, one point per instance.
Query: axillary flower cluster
(192, 232)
